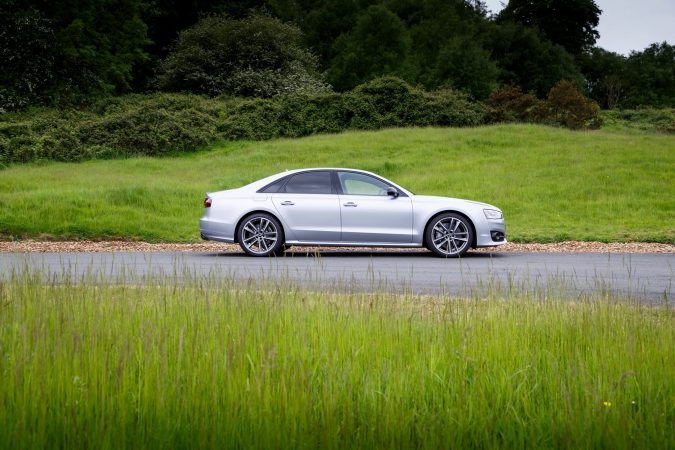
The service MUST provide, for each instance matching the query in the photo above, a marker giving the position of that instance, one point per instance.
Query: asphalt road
(646, 277)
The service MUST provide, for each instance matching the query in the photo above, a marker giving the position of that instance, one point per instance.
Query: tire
(449, 235)
(261, 234)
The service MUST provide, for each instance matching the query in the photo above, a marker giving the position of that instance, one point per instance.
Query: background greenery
(71, 52)
(553, 184)
(161, 124)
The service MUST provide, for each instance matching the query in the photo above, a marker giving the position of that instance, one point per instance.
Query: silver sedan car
(346, 207)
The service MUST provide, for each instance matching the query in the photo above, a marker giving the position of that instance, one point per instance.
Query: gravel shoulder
(31, 246)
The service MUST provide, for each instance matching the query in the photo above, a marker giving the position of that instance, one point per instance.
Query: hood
(453, 201)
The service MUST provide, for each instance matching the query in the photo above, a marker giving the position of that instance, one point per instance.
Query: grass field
(210, 363)
(552, 184)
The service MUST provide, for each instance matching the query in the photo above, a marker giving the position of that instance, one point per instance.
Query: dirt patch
(28, 246)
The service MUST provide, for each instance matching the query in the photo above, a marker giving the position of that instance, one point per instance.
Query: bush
(648, 119)
(124, 126)
(158, 124)
(565, 106)
(383, 102)
(510, 104)
(568, 107)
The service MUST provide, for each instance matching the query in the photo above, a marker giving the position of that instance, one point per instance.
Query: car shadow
(359, 254)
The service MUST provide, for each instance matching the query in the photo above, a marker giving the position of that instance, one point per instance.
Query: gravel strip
(28, 246)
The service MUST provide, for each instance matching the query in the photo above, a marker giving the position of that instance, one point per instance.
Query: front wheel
(449, 235)
(261, 235)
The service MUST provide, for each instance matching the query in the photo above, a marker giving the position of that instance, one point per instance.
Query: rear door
(369, 215)
(310, 207)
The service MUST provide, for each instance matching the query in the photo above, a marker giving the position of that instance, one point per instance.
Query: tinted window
(359, 184)
(310, 183)
(274, 187)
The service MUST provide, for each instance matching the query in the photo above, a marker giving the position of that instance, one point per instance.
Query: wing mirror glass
(392, 192)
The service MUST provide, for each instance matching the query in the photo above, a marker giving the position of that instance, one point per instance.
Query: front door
(369, 215)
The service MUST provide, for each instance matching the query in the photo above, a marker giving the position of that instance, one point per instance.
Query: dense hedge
(564, 106)
(158, 124)
(648, 119)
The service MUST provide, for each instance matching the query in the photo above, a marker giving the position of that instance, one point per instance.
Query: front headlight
(493, 214)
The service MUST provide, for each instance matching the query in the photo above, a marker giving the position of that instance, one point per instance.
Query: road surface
(645, 277)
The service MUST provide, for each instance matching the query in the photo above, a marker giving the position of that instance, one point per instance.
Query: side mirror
(392, 192)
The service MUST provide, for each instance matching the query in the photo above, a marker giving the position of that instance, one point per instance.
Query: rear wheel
(261, 234)
(449, 235)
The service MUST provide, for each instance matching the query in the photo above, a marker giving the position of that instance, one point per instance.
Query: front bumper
(491, 233)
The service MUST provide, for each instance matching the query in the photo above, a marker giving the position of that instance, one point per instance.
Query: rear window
(310, 183)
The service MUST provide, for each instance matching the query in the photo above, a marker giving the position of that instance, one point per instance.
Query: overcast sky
(627, 25)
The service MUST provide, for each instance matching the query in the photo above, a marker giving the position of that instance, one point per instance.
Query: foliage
(528, 60)
(569, 23)
(539, 176)
(510, 104)
(378, 44)
(133, 125)
(26, 56)
(69, 51)
(650, 77)
(643, 78)
(258, 56)
(434, 27)
(465, 65)
(605, 76)
(565, 106)
(645, 120)
(568, 107)
(165, 123)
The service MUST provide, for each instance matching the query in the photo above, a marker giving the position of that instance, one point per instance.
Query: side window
(274, 187)
(359, 184)
(310, 183)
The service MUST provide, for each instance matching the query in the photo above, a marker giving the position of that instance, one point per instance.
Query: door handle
(350, 204)
(287, 203)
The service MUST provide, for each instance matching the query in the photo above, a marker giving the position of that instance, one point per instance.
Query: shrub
(383, 102)
(510, 104)
(158, 124)
(648, 119)
(567, 106)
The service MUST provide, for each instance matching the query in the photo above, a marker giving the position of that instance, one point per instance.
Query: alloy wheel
(259, 235)
(450, 236)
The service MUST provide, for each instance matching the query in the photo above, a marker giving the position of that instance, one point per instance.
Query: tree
(377, 45)
(258, 56)
(26, 56)
(650, 76)
(322, 21)
(528, 60)
(569, 23)
(466, 65)
(433, 25)
(71, 50)
(605, 74)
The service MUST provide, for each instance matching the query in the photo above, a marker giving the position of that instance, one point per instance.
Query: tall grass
(552, 184)
(213, 363)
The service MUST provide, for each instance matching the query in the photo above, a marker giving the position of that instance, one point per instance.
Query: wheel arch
(453, 211)
(249, 214)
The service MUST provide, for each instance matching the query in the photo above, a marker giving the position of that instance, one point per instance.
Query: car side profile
(345, 207)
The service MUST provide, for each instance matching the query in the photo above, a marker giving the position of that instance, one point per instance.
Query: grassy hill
(553, 184)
